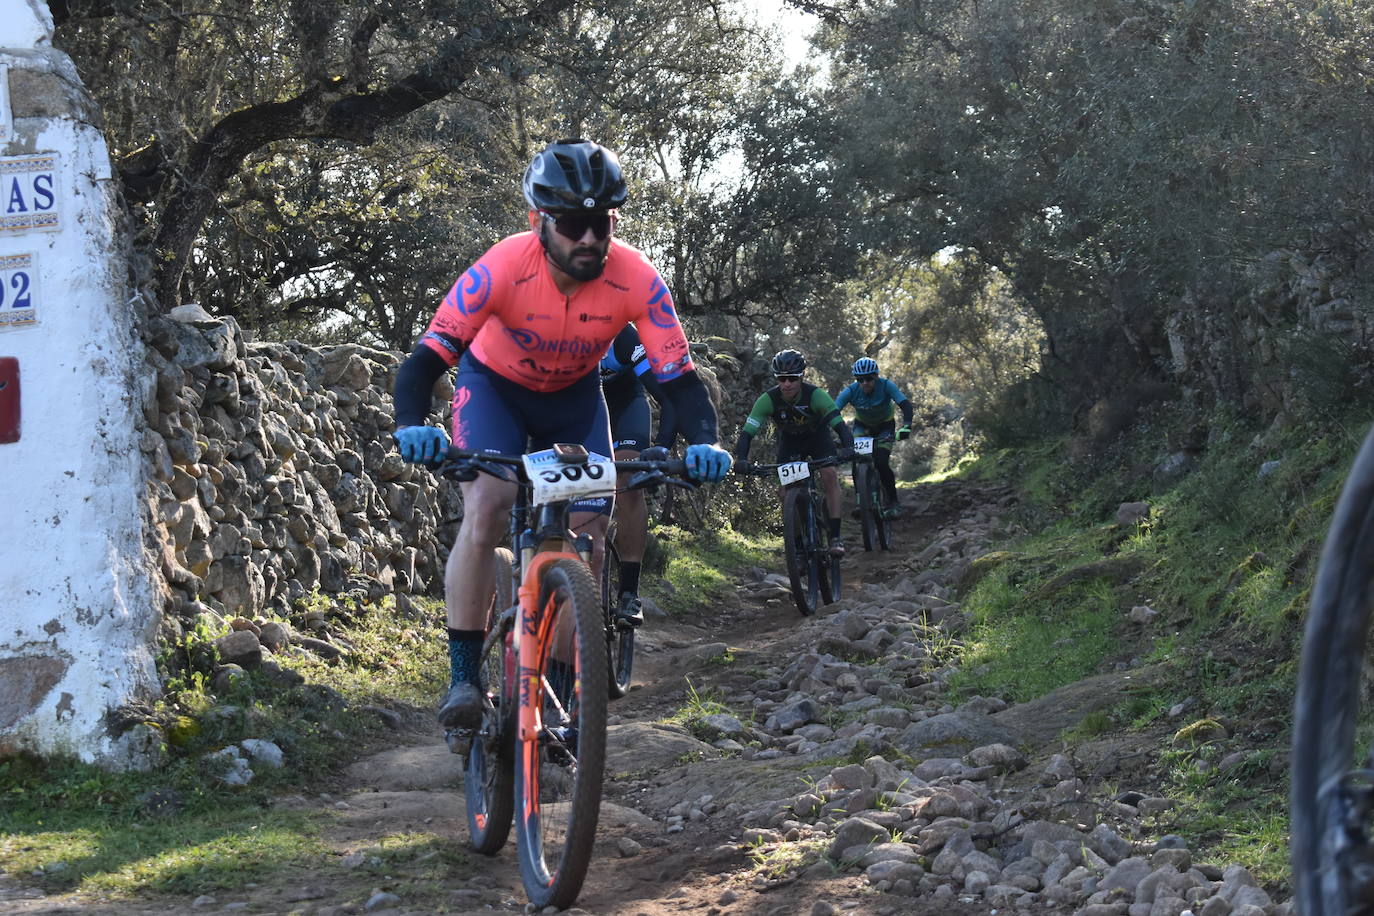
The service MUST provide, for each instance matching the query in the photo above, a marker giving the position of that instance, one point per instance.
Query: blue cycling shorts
(492, 412)
(631, 421)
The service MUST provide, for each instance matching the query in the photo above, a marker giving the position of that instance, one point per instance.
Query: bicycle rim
(620, 644)
(867, 509)
(827, 567)
(489, 780)
(559, 775)
(796, 544)
(1333, 864)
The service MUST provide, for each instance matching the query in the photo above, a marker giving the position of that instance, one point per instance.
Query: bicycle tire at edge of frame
(1327, 702)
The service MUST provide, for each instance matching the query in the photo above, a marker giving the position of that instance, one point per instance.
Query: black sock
(464, 649)
(834, 527)
(561, 678)
(629, 577)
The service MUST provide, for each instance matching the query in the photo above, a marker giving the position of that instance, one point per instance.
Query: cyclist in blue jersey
(872, 398)
(625, 378)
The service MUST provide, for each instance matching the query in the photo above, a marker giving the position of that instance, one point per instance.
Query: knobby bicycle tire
(489, 780)
(1333, 864)
(863, 491)
(881, 522)
(797, 534)
(620, 643)
(827, 564)
(558, 780)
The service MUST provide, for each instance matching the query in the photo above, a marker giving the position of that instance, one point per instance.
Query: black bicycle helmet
(788, 362)
(575, 175)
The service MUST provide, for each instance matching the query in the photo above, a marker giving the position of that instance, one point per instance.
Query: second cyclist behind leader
(804, 416)
(872, 397)
(527, 325)
(626, 376)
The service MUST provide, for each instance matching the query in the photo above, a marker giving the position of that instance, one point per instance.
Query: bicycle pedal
(459, 740)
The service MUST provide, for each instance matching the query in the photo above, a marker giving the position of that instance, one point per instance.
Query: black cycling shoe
(630, 614)
(462, 707)
(562, 746)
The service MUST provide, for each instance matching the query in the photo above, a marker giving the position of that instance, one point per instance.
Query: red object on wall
(9, 399)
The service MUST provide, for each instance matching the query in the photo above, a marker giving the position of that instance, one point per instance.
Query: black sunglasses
(866, 378)
(788, 378)
(575, 225)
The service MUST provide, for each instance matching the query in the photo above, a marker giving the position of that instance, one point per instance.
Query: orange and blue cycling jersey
(508, 313)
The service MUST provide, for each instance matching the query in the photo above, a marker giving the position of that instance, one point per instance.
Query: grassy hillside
(1224, 557)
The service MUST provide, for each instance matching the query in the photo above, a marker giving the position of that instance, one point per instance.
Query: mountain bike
(539, 754)
(620, 638)
(1332, 788)
(868, 490)
(814, 574)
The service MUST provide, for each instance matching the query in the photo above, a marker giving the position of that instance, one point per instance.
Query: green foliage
(175, 829)
(1022, 649)
(699, 563)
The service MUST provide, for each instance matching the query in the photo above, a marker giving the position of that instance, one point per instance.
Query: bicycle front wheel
(799, 545)
(560, 765)
(868, 508)
(620, 641)
(1331, 793)
(489, 780)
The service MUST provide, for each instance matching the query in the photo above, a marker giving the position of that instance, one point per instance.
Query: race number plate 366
(554, 480)
(791, 473)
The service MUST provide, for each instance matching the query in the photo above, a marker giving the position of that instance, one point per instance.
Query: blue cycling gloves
(421, 444)
(708, 463)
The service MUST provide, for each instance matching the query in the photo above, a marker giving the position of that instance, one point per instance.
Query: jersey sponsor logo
(540, 372)
(526, 278)
(472, 291)
(585, 317)
(661, 311)
(532, 342)
(614, 285)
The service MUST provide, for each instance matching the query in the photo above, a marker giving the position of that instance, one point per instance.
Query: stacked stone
(273, 473)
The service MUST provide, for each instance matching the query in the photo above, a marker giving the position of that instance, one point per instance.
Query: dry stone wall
(273, 475)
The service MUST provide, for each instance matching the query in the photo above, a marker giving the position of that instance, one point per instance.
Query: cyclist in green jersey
(872, 398)
(804, 416)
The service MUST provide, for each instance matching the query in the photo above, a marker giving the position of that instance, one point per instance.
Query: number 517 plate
(791, 473)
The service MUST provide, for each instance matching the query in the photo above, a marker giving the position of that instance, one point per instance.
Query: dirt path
(644, 865)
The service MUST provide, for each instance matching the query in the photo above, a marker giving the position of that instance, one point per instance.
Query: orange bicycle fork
(535, 628)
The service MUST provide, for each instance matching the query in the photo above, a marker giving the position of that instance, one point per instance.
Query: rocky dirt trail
(842, 782)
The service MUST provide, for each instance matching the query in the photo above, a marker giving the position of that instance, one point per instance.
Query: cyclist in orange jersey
(527, 326)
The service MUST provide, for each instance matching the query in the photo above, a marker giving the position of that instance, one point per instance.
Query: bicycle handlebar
(462, 464)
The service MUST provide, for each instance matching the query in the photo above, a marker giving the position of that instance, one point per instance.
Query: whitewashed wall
(79, 597)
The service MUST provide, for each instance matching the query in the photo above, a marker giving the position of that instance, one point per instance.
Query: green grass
(71, 826)
(699, 564)
(696, 708)
(1225, 556)
(1022, 650)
